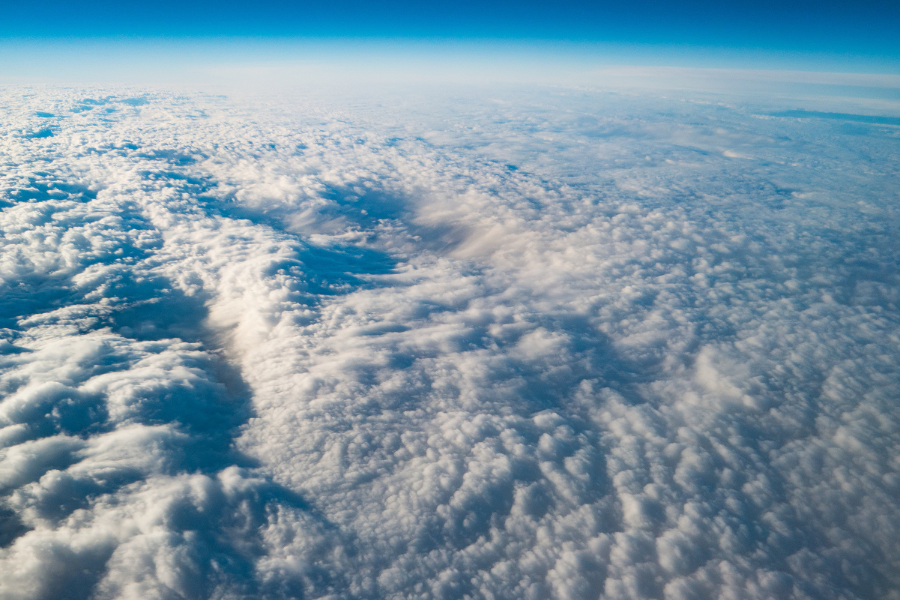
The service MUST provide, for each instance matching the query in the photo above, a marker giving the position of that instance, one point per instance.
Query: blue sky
(864, 29)
(205, 42)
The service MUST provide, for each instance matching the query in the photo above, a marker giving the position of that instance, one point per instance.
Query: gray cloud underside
(540, 346)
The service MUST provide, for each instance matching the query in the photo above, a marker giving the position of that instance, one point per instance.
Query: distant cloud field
(460, 343)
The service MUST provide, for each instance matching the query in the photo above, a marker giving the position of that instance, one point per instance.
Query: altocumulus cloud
(545, 345)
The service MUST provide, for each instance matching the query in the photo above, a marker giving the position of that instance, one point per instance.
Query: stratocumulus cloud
(517, 345)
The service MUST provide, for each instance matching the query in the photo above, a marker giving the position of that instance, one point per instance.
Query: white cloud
(446, 348)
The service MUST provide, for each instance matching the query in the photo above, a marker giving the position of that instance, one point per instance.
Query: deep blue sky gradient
(867, 28)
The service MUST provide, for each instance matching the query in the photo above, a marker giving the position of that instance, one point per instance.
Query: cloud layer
(508, 345)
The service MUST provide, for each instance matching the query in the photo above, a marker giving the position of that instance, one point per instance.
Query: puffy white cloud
(565, 345)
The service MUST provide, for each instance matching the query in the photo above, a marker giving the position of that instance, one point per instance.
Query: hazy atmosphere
(413, 302)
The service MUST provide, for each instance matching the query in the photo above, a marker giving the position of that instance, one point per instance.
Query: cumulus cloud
(538, 345)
